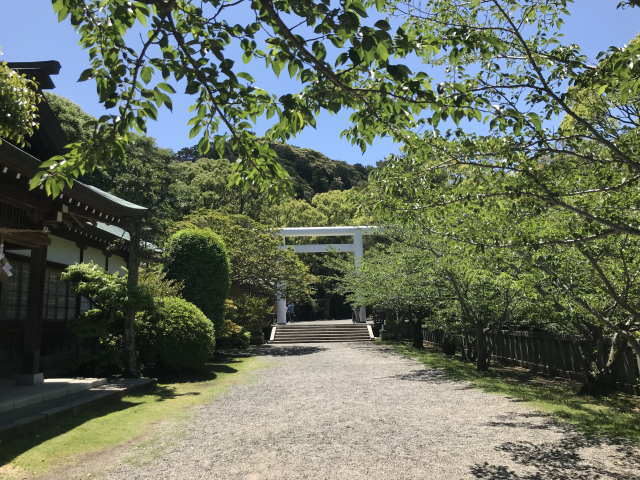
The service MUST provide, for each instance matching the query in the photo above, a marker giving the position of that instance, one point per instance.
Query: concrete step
(284, 336)
(32, 416)
(322, 337)
(324, 332)
(275, 342)
(322, 325)
(318, 329)
(13, 397)
(293, 329)
(320, 332)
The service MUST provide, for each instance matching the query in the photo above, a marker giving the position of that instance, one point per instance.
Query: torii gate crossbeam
(356, 247)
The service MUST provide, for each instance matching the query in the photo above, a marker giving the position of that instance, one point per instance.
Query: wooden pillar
(32, 329)
(133, 265)
(81, 248)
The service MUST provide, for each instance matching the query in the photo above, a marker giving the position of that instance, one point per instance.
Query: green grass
(614, 416)
(105, 426)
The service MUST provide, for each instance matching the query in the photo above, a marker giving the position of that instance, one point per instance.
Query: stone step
(329, 334)
(305, 327)
(320, 338)
(30, 418)
(351, 337)
(320, 332)
(14, 397)
(320, 341)
(320, 324)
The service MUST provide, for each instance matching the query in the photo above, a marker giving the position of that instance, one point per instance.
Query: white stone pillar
(281, 307)
(281, 301)
(358, 251)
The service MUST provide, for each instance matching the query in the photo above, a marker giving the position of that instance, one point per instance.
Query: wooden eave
(39, 71)
(93, 201)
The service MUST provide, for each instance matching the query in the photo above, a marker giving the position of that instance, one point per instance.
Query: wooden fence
(555, 355)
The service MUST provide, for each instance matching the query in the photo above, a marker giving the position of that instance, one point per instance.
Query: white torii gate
(356, 247)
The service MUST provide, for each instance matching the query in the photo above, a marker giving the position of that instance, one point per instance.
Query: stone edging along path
(361, 411)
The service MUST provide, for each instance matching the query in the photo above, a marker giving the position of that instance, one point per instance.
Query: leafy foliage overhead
(19, 99)
(172, 185)
(339, 56)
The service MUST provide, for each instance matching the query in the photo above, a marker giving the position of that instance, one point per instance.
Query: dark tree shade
(198, 258)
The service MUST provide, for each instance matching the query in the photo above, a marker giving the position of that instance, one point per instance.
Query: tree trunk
(634, 344)
(418, 338)
(132, 286)
(449, 345)
(600, 380)
(466, 348)
(482, 358)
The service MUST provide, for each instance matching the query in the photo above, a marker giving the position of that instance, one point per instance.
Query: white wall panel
(94, 255)
(63, 251)
(117, 264)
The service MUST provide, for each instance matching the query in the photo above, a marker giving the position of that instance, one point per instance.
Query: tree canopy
(173, 185)
(340, 56)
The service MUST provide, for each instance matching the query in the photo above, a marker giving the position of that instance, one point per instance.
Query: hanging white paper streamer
(5, 266)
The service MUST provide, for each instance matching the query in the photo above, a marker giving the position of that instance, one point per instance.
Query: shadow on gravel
(288, 351)
(520, 420)
(613, 416)
(430, 376)
(557, 460)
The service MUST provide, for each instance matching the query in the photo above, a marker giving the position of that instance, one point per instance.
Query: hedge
(198, 258)
(175, 335)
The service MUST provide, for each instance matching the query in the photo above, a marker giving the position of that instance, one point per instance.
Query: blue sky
(29, 31)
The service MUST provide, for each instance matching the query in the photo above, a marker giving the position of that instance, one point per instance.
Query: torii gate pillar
(356, 247)
(281, 306)
(358, 252)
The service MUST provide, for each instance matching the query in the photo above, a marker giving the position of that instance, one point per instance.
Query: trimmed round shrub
(198, 259)
(175, 335)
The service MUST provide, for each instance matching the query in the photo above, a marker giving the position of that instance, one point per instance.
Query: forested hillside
(175, 184)
(311, 172)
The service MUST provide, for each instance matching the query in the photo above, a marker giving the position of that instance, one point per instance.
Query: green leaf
(195, 131)
(383, 25)
(86, 75)
(293, 68)
(204, 145)
(166, 87)
(381, 50)
(141, 17)
(537, 123)
(246, 76)
(146, 73)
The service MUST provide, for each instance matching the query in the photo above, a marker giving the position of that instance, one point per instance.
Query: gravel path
(360, 411)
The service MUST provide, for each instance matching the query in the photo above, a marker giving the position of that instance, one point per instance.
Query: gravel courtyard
(360, 411)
